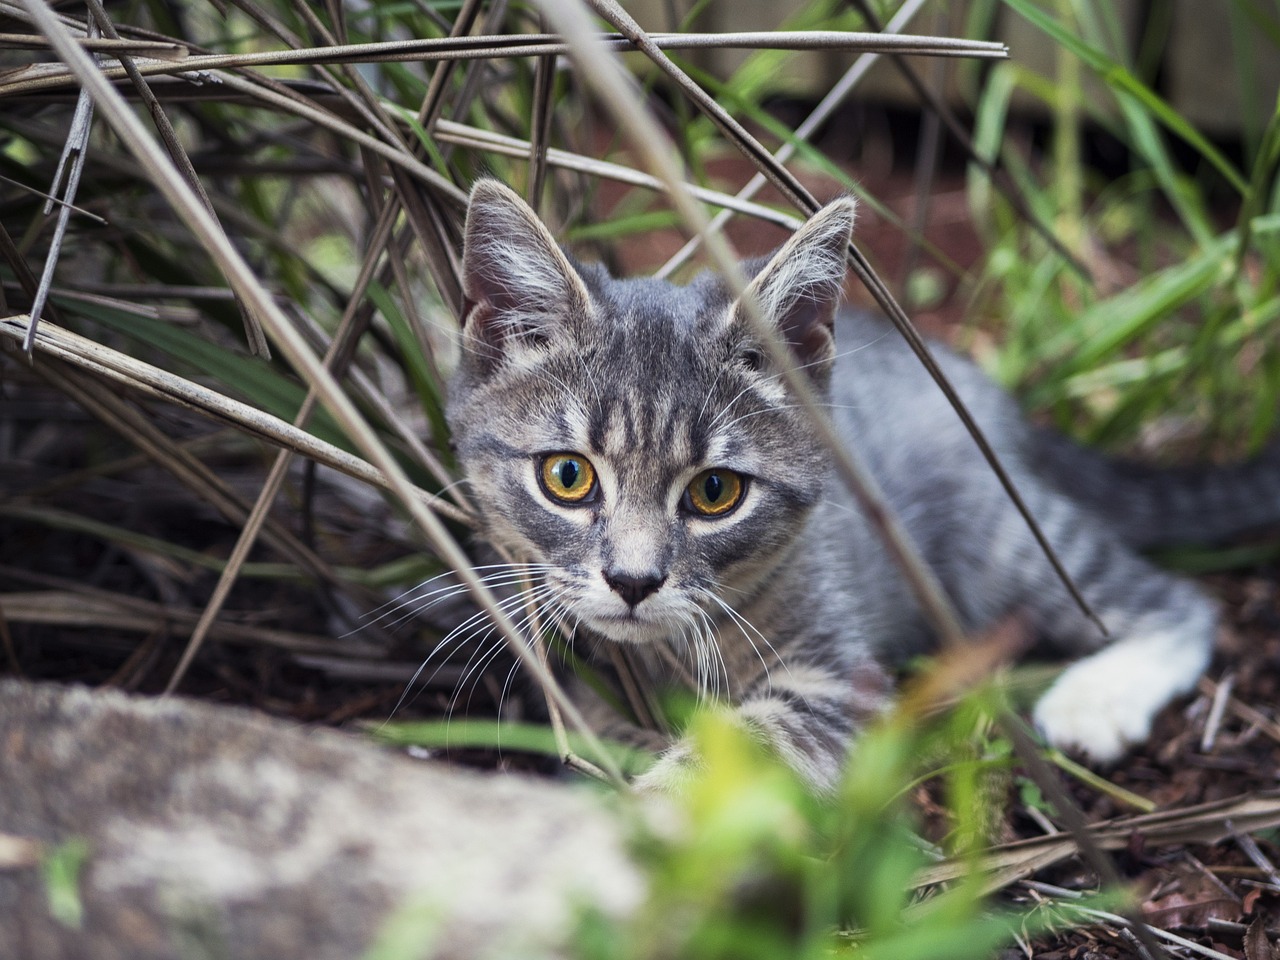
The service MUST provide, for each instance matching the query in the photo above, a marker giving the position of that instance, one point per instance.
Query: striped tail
(1152, 506)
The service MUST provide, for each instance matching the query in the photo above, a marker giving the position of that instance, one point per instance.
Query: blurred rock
(216, 832)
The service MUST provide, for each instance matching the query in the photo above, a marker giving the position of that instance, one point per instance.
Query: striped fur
(784, 607)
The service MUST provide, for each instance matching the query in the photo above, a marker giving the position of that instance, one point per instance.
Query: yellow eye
(568, 478)
(714, 492)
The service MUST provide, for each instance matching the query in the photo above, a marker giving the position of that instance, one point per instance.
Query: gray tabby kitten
(629, 441)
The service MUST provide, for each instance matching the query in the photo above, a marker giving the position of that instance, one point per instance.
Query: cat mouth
(627, 628)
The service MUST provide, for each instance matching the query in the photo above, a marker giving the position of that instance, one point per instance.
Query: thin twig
(66, 181)
(523, 45)
(1221, 697)
(1065, 902)
(1255, 854)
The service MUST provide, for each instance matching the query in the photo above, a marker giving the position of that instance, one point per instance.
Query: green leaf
(1122, 81)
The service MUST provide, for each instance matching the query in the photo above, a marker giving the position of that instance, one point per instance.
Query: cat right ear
(799, 288)
(516, 281)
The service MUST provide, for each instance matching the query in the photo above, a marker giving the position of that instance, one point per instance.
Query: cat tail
(1152, 506)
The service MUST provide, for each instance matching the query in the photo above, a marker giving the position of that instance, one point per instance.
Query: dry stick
(256, 339)
(1123, 922)
(1073, 820)
(531, 45)
(1221, 697)
(833, 99)
(1245, 712)
(295, 349)
(71, 164)
(26, 279)
(1254, 853)
(113, 46)
(928, 155)
(998, 176)
(476, 139)
(431, 103)
(540, 127)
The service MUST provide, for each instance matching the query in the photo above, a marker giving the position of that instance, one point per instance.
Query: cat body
(633, 445)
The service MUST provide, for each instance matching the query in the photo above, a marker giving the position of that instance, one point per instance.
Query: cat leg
(1161, 634)
(806, 715)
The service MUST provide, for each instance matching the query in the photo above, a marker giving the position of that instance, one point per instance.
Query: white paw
(1105, 704)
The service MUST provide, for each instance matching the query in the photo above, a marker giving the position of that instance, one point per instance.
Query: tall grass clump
(1173, 330)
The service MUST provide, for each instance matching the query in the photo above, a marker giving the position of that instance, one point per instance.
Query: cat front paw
(1105, 704)
(1085, 714)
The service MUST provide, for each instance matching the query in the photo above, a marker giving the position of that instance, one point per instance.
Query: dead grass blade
(453, 49)
(66, 181)
(108, 46)
(489, 141)
(116, 112)
(254, 336)
(67, 608)
(152, 381)
(1205, 823)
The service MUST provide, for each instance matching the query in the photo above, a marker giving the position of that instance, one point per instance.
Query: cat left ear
(516, 281)
(800, 287)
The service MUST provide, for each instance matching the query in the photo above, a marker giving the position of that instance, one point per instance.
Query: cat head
(632, 437)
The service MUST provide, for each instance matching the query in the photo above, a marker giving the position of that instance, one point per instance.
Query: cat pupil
(569, 474)
(713, 487)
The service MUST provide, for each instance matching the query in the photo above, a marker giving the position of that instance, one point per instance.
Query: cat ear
(516, 281)
(800, 287)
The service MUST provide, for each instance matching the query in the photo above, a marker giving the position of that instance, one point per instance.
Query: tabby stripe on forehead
(598, 425)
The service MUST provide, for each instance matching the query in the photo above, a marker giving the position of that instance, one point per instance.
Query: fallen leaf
(1256, 944)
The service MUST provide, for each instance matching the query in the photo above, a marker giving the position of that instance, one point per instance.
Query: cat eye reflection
(568, 478)
(714, 492)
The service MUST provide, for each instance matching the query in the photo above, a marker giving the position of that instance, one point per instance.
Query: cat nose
(632, 588)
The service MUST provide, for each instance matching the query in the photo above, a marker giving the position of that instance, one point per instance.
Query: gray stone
(217, 832)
